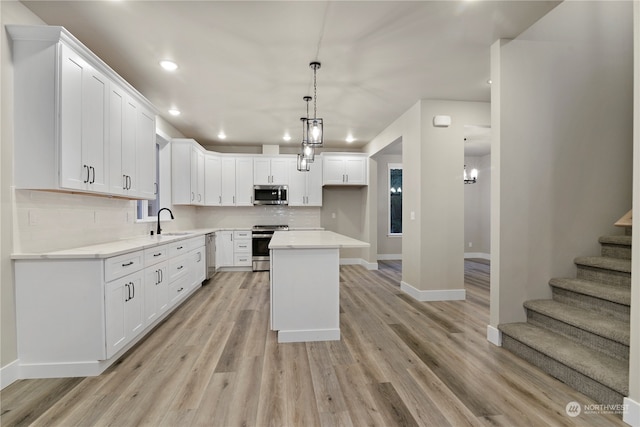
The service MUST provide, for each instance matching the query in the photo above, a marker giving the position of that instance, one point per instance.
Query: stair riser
(585, 385)
(616, 251)
(605, 276)
(617, 311)
(607, 346)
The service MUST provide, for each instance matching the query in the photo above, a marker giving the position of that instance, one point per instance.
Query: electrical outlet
(333, 215)
(413, 215)
(33, 218)
(470, 244)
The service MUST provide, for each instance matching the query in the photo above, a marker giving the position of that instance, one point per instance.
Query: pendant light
(308, 151)
(314, 125)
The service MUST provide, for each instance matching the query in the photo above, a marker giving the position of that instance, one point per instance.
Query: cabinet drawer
(242, 234)
(241, 260)
(119, 266)
(178, 267)
(178, 289)
(196, 242)
(178, 248)
(241, 246)
(156, 255)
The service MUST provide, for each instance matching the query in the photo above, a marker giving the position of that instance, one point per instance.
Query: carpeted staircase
(581, 336)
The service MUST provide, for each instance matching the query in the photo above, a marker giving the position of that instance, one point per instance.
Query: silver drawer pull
(180, 267)
(128, 264)
(179, 247)
(158, 254)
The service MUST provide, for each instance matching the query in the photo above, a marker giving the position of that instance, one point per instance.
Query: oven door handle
(260, 236)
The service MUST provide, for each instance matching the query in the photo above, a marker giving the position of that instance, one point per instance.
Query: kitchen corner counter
(313, 239)
(118, 247)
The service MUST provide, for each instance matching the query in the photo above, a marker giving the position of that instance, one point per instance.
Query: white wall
(561, 154)
(633, 417)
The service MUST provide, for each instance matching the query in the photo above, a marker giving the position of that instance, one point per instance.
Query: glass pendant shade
(314, 131)
(308, 152)
(303, 164)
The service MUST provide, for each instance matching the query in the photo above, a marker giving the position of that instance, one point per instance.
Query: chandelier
(471, 178)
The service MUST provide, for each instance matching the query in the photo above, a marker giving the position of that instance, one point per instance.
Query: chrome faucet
(159, 230)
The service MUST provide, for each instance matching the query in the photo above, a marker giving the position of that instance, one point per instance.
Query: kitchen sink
(179, 233)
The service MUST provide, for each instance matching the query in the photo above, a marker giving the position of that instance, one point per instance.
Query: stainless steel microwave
(270, 195)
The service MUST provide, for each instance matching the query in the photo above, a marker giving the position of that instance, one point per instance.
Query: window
(395, 199)
(148, 209)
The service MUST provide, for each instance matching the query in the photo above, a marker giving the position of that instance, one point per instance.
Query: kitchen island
(305, 284)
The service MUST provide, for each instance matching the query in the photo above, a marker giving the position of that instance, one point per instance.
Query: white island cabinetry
(78, 310)
(305, 284)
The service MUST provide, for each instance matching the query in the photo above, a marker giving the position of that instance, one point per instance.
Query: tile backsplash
(48, 221)
(248, 216)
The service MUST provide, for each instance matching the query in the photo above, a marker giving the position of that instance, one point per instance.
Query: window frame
(390, 167)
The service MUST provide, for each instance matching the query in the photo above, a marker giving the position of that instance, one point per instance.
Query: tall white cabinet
(74, 127)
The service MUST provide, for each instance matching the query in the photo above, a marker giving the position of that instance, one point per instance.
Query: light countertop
(118, 247)
(313, 239)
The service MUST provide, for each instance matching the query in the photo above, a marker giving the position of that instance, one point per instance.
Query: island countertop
(313, 239)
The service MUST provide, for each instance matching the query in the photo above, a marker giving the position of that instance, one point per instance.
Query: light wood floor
(214, 362)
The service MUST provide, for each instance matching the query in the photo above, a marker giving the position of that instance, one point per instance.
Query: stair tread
(616, 240)
(607, 370)
(615, 264)
(588, 320)
(604, 291)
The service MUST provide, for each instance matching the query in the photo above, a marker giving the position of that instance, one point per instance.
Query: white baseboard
(389, 257)
(309, 335)
(9, 373)
(632, 414)
(430, 295)
(494, 336)
(480, 255)
(359, 261)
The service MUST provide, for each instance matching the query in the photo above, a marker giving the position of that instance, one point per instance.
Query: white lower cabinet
(233, 248)
(124, 311)
(156, 291)
(76, 315)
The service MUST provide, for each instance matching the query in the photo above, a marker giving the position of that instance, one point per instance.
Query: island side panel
(305, 294)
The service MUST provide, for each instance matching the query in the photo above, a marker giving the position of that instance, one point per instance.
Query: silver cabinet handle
(87, 168)
(124, 182)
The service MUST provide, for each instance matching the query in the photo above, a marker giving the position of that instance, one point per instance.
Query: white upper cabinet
(69, 110)
(83, 124)
(131, 146)
(187, 172)
(345, 169)
(270, 170)
(228, 181)
(305, 188)
(212, 180)
(244, 181)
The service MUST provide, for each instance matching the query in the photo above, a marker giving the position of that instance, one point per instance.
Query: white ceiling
(244, 65)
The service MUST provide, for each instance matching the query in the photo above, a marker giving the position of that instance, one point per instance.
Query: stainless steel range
(261, 236)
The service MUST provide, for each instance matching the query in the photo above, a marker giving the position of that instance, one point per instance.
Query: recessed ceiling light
(168, 65)
(222, 135)
(286, 137)
(350, 139)
(174, 112)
